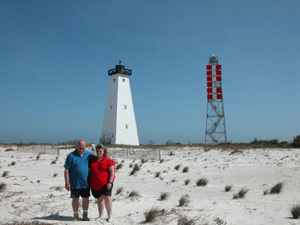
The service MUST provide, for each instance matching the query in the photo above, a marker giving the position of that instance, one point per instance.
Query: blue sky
(55, 56)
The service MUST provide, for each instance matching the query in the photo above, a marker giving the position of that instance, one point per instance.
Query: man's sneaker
(85, 217)
(109, 219)
(76, 218)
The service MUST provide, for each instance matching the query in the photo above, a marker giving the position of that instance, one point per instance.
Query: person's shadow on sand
(55, 217)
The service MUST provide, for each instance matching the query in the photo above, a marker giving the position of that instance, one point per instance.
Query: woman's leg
(108, 205)
(101, 205)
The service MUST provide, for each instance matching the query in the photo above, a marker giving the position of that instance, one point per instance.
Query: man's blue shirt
(78, 169)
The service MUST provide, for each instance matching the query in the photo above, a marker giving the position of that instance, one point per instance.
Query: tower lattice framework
(215, 131)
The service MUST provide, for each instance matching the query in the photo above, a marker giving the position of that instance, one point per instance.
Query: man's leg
(75, 208)
(85, 207)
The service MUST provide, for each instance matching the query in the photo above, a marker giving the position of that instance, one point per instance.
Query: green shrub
(295, 210)
(277, 188)
(296, 142)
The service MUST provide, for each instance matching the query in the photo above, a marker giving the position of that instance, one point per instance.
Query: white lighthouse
(119, 126)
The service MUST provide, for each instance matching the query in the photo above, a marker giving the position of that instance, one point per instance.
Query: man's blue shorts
(84, 193)
(103, 191)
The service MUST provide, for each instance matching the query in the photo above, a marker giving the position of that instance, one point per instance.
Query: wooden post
(159, 154)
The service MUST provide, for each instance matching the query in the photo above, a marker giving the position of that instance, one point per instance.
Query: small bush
(228, 188)
(53, 162)
(266, 192)
(144, 160)
(130, 165)
(218, 221)
(184, 200)
(177, 167)
(276, 189)
(119, 166)
(296, 142)
(119, 190)
(2, 187)
(202, 182)
(164, 196)
(13, 163)
(136, 167)
(240, 194)
(55, 175)
(157, 174)
(173, 180)
(185, 169)
(132, 173)
(38, 156)
(152, 214)
(187, 181)
(184, 220)
(161, 161)
(8, 149)
(5, 173)
(295, 210)
(171, 153)
(134, 194)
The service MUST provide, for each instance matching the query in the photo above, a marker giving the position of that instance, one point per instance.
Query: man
(76, 178)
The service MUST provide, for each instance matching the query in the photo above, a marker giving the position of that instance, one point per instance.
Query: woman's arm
(111, 172)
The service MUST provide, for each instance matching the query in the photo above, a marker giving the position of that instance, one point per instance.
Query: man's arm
(67, 183)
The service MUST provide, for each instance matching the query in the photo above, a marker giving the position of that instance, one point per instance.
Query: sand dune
(35, 188)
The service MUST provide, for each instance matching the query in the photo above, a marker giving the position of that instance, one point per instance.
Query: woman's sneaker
(109, 219)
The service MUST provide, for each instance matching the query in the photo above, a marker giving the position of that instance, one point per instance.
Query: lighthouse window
(125, 106)
(114, 79)
(126, 126)
(123, 80)
(112, 135)
(110, 107)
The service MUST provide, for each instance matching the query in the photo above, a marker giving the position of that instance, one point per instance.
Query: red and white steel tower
(215, 131)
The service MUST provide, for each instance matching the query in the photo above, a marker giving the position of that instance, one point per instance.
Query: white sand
(32, 191)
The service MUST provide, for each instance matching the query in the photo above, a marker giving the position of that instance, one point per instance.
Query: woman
(102, 175)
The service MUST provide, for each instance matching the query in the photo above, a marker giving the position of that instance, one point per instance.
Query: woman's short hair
(100, 146)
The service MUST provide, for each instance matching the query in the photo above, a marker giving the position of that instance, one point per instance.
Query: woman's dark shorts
(84, 193)
(103, 191)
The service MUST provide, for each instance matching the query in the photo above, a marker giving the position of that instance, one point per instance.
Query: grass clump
(184, 220)
(295, 210)
(276, 189)
(228, 188)
(134, 194)
(202, 182)
(8, 149)
(2, 187)
(119, 166)
(240, 194)
(135, 169)
(157, 174)
(5, 174)
(187, 181)
(177, 167)
(164, 196)
(144, 160)
(152, 214)
(38, 156)
(119, 190)
(184, 200)
(185, 169)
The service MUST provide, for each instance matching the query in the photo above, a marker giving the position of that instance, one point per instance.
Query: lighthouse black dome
(119, 69)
